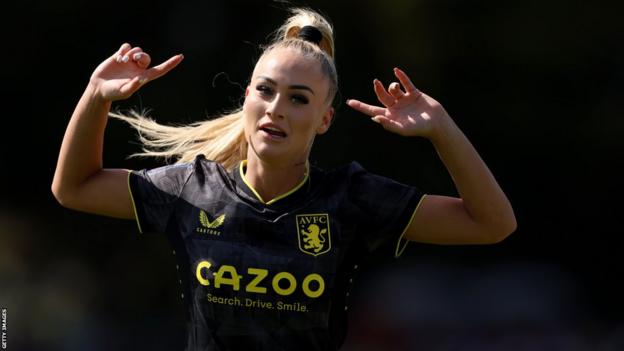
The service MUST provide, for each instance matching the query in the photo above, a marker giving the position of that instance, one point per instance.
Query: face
(286, 106)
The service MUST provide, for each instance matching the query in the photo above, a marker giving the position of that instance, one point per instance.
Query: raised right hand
(120, 75)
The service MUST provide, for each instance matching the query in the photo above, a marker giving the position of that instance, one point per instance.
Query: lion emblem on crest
(313, 239)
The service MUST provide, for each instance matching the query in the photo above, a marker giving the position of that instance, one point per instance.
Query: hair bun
(311, 34)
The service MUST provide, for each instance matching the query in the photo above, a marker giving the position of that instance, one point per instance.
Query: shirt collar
(238, 174)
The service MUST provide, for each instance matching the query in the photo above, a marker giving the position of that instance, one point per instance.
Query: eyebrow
(294, 86)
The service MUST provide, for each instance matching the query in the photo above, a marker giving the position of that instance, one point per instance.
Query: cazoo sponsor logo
(257, 280)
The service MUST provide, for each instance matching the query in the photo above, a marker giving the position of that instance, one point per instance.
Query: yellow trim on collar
(242, 166)
(399, 248)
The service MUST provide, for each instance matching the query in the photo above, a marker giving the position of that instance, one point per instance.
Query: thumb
(130, 87)
(387, 124)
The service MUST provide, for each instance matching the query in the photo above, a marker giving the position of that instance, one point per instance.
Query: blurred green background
(535, 85)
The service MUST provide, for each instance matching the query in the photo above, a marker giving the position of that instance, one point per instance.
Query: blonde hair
(222, 139)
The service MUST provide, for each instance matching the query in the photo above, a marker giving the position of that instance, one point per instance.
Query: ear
(326, 121)
(247, 91)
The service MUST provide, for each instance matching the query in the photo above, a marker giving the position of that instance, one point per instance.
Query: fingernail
(142, 80)
(118, 59)
(137, 56)
(125, 59)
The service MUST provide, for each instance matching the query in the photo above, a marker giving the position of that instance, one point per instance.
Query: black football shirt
(270, 275)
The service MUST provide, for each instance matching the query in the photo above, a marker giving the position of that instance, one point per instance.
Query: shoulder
(351, 180)
(202, 165)
(174, 173)
(354, 174)
(360, 185)
(355, 181)
(206, 172)
(180, 173)
(344, 173)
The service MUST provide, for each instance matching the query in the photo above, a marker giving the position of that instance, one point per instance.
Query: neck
(271, 181)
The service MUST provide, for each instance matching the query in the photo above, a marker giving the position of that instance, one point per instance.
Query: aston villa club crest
(313, 233)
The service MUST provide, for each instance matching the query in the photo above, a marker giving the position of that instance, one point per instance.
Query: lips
(273, 130)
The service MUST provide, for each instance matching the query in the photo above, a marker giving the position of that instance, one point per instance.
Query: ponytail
(221, 139)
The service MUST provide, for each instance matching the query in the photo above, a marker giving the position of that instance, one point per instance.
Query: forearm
(481, 195)
(80, 155)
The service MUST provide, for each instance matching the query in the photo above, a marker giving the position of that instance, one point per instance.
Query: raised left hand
(407, 111)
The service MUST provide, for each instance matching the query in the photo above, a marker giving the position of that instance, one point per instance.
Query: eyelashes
(268, 91)
(264, 90)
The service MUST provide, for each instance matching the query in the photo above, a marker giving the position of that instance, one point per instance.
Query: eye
(299, 99)
(264, 89)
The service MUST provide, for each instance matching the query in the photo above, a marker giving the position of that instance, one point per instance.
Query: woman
(267, 246)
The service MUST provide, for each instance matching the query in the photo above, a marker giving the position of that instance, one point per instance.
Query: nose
(275, 109)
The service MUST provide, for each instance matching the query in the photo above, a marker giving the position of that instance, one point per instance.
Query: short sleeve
(387, 207)
(154, 193)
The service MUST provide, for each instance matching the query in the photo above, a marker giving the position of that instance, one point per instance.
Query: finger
(124, 48)
(142, 59)
(366, 108)
(121, 51)
(126, 57)
(395, 90)
(405, 81)
(130, 87)
(163, 68)
(383, 96)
